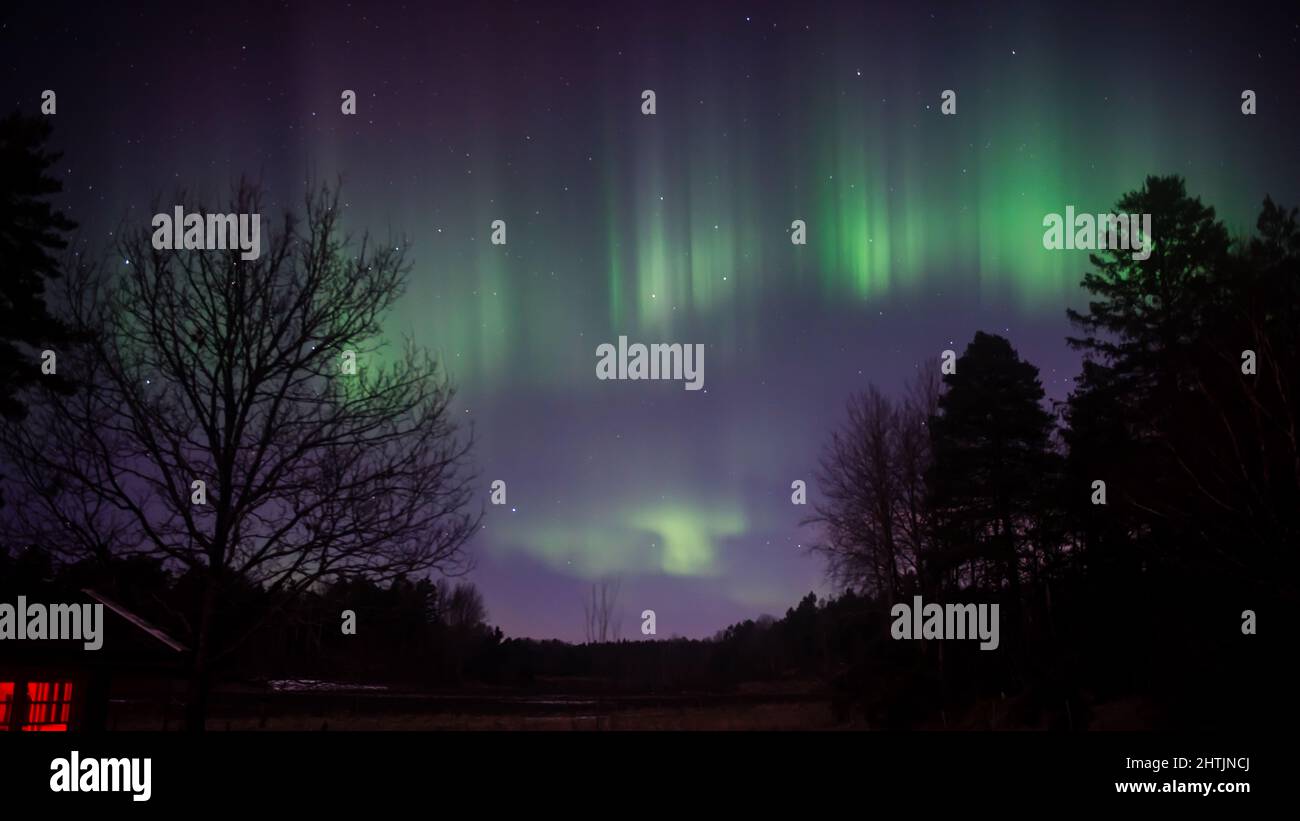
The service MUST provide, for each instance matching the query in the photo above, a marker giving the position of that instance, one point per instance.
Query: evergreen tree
(31, 233)
(990, 442)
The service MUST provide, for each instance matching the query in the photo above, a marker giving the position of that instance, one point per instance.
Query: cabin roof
(140, 623)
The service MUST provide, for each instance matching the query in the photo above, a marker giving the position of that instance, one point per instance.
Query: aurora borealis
(922, 228)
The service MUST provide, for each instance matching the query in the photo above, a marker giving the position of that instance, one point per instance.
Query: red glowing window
(49, 706)
(6, 704)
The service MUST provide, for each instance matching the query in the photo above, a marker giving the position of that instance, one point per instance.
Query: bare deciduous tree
(461, 607)
(873, 517)
(601, 611)
(204, 367)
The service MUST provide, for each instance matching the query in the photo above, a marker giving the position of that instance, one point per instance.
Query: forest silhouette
(969, 487)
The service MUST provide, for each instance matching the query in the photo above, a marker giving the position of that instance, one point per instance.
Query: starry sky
(922, 228)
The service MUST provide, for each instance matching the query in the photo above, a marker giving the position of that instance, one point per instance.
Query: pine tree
(31, 232)
(990, 441)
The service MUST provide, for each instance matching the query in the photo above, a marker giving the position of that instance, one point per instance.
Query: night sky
(922, 228)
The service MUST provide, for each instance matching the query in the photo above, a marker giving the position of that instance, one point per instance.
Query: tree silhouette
(875, 526)
(31, 232)
(460, 607)
(203, 367)
(601, 612)
(990, 441)
(1204, 453)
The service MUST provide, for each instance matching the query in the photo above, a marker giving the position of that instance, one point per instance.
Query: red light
(49, 706)
(6, 702)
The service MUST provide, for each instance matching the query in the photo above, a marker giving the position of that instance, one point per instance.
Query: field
(324, 707)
